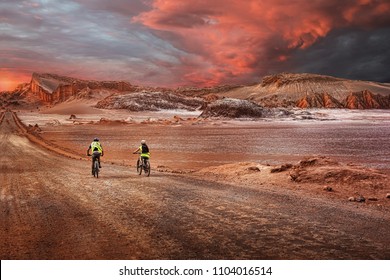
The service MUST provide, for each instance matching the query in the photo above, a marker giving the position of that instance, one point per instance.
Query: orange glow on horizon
(10, 80)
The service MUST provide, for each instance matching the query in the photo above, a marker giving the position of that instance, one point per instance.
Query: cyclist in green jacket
(97, 151)
(143, 150)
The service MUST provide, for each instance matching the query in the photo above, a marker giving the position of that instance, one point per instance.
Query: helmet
(96, 139)
(143, 142)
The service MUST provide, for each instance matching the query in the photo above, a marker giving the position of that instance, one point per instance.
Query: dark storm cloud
(352, 54)
(238, 41)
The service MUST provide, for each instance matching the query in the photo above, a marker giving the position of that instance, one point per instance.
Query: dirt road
(52, 208)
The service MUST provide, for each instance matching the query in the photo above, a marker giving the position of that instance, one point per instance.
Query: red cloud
(235, 38)
(9, 79)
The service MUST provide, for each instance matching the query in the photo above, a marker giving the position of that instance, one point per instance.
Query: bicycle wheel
(96, 168)
(139, 167)
(93, 168)
(147, 168)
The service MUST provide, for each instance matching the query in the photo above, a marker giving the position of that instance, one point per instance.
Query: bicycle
(96, 169)
(143, 164)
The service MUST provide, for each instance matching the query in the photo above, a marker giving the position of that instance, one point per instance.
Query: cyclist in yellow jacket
(143, 150)
(97, 151)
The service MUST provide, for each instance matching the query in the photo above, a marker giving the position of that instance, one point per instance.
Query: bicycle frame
(143, 164)
(95, 166)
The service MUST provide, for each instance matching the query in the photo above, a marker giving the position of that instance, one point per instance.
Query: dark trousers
(144, 160)
(95, 156)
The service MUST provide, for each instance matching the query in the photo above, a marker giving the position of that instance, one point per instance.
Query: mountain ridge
(314, 91)
(286, 90)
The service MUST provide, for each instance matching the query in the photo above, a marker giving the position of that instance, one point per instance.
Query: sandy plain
(198, 203)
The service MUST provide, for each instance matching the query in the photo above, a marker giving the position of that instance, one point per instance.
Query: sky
(198, 43)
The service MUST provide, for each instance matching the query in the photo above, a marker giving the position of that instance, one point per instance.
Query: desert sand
(193, 206)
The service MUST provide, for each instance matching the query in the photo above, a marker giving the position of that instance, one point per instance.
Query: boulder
(253, 168)
(150, 101)
(282, 168)
(328, 189)
(234, 108)
(360, 199)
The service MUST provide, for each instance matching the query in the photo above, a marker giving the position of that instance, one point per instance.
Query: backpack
(145, 149)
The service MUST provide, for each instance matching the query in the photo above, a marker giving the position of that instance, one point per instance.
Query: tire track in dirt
(1, 117)
(262, 225)
(41, 142)
(42, 217)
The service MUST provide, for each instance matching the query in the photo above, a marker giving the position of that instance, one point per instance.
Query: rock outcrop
(233, 108)
(206, 91)
(355, 100)
(319, 100)
(314, 91)
(366, 100)
(150, 101)
(289, 79)
(54, 88)
(276, 91)
(18, 98)
(326, 170)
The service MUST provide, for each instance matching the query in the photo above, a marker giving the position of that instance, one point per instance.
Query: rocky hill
(205, 92)
(275, 91)
(314, 91)
(54, 88)
(19, 97)
(234, 108)
(366, 99)
(150, 101)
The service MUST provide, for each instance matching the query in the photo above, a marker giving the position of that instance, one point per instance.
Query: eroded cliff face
(355, 100)
(328, 92)
(306, 90)
(20, 97)
(367, 100)
(318, 100)
(275, 91)
(54, 88)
